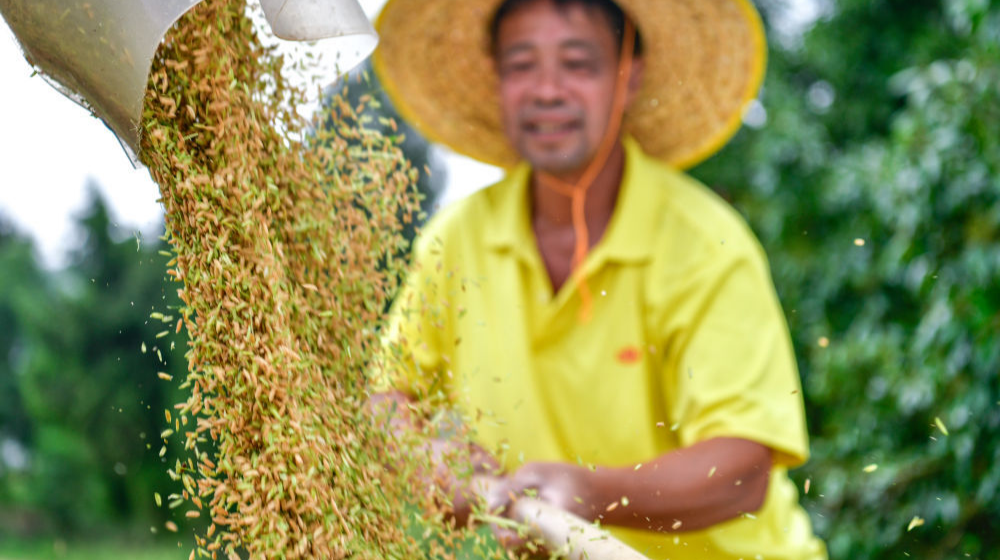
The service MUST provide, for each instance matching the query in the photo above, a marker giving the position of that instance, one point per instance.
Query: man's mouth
(544, 128)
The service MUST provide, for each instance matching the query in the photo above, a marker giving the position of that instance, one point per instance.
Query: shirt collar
(627, 237)
(510, 223)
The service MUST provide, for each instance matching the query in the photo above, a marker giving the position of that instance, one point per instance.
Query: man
(605, 326)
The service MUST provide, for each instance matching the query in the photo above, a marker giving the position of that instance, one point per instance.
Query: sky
(51, 149)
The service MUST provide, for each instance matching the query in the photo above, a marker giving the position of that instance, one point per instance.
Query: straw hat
(704, 62)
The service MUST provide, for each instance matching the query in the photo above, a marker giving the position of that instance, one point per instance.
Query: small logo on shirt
(629, 355)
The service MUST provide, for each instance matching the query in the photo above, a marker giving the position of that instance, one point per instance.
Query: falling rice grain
(940, 425)
(280, 250)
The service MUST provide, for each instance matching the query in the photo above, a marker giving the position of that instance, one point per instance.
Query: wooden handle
(565, 533)
(569, 534)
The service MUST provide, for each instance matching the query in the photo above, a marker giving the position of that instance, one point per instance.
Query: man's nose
(549, 86)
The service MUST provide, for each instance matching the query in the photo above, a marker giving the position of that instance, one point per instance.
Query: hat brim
(704, 62)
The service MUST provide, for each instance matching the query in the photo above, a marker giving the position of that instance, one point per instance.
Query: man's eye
(579, 65)
(517, 66)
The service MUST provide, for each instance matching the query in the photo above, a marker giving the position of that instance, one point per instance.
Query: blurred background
(869, 169)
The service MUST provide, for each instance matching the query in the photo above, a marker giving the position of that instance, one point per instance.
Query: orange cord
(577, 192)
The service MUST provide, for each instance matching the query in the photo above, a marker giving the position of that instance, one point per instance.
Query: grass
(58, 549)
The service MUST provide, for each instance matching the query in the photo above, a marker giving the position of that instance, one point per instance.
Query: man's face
(557, 69)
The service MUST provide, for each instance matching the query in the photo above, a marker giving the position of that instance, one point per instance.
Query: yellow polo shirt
(687, 342)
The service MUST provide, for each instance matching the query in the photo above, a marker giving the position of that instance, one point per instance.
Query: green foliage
(19, 278)
(881, 216)
(81, 399)
(109, 549)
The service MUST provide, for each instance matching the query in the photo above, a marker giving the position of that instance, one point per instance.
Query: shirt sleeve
(411, 355)
(732, 371)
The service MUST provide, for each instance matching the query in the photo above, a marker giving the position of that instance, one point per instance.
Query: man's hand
(449, 472)
(445, 466)
(689, 489)
(567, 486)
(446, 454)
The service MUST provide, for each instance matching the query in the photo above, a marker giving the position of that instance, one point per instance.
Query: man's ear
(635, 80)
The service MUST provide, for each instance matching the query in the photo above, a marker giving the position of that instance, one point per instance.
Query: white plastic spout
(312, 20)
(337, 33)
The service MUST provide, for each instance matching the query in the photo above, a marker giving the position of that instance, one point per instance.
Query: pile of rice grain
(284, 251)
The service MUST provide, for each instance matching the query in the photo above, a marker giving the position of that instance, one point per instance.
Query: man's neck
(551, 207)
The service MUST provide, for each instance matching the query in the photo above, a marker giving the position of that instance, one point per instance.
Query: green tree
(22, 289)
(87, 373)
(875, 188)
(19, 277)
